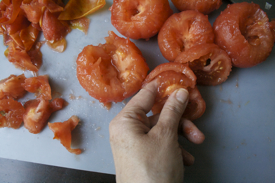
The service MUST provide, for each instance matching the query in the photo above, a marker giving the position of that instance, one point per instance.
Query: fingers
(188, 159)
(189, 130)
(173, 109)
(144, 99)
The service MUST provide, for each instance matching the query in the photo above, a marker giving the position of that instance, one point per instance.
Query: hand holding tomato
(146, 149)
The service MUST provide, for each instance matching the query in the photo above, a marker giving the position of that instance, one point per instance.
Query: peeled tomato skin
(243, 31)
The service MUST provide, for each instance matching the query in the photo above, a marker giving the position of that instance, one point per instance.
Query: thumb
(173, 109)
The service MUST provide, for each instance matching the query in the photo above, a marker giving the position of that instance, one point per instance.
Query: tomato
(54, 29)
(203, 6)
(182, 31)
(213, 73)
(243, 31)
(170, 77)
(11, 113)
(11, 87)
(139, 19)
(272, 27)
(113, 71)
(40, 86)
(62, 131)
(38, 112)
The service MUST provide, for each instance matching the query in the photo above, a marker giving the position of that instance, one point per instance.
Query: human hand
(146, 149)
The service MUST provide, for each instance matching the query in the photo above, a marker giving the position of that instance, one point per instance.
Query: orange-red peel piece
(62, 131)
(79, 8)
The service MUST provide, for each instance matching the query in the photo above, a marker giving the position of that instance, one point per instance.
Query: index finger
(145, 98)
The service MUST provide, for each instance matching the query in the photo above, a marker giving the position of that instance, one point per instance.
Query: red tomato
(11, 87)
(113, 71)
(213, 73)
(172, 76)
(62, 131)
(38, 112)
(54, 29)
(203, 6)
(40, 86)
(11, 113)
(182, 31)
(243, 31)
(139, 19)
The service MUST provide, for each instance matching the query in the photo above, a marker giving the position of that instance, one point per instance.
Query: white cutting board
(239, 122)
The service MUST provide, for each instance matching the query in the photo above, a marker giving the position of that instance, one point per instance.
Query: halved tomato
(243, 31)
(62, 131)
(40, 86)
(182, 31)
(11, 113)
(170, 77)
(113, 71)
(139, 19)
(38, 112)
(209, 62)
(11, 87)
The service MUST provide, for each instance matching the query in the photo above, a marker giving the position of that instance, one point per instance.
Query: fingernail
(182, 95)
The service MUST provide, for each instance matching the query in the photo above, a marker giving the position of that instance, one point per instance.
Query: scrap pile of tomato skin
(20, 24)
(111, 72)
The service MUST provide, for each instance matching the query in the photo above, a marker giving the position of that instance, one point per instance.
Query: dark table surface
(12, 171)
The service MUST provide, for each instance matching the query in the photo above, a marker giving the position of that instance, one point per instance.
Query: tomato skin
(170, 77)
(11, 113)
(113, 71)
(38, 112)
(54, 29)
(62, 131)
(202, 6)
(196, 58)
(11, 87)
(33, 10)
(139, 19)
(243, 31)
(40, 86)
(183, 30)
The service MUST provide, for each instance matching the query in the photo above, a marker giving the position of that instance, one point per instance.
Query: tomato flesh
(40, 86)
(11, 113)
(243, 31)
(11, 87)
(113, 71)
(170, 77)
(213, 73)
(38, 112)
(182, 31)
(62, 131)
